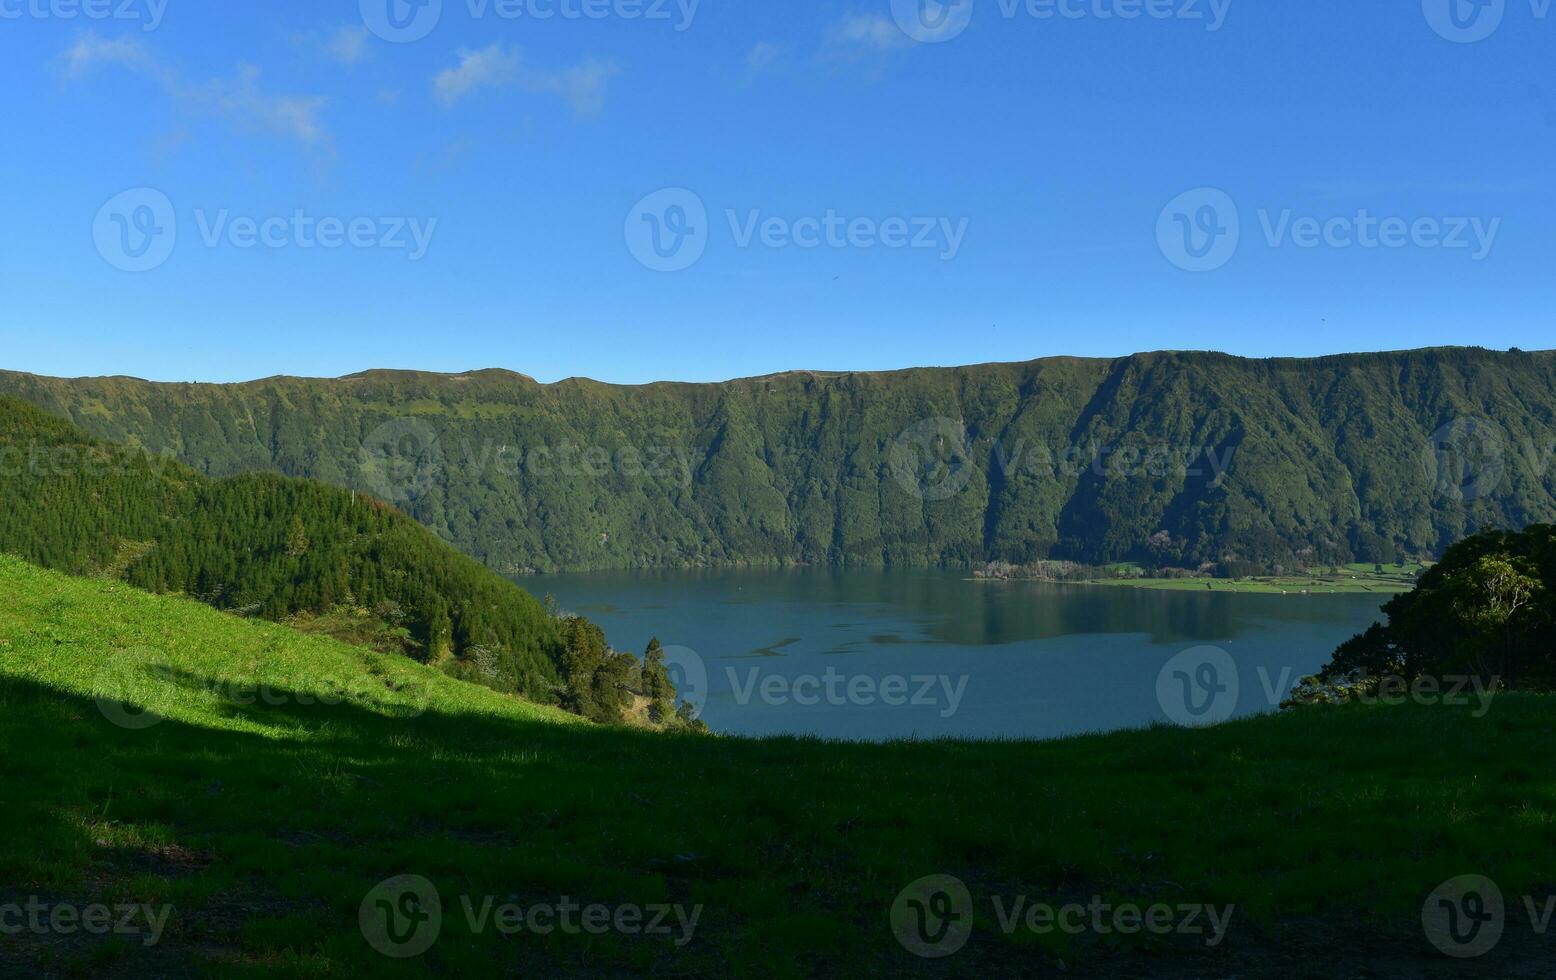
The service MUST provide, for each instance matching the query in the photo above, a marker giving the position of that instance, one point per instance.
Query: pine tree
(296, 539)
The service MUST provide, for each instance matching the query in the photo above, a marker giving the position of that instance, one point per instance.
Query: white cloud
(348, 45)
(876, 32)
(345, 45)
(582, 86)
(89, 51)
(477, 69)
(763, 56)
(239, 100)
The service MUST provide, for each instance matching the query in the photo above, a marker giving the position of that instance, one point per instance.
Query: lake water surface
(878, 655)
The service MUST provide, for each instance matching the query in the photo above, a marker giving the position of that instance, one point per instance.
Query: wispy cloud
(582, 86)
(344, 45)
(867, 42)
(476, 70)
(90, 51)
(348, 45)
(869, 32)
(240, 100)
(764, 55)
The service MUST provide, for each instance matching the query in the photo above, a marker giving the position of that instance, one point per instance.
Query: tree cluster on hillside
(1487, 611)
(315, 556)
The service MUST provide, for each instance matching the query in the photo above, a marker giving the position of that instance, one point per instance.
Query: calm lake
(879, 655)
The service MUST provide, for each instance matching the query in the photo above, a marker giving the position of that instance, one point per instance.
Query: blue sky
(1020, 184)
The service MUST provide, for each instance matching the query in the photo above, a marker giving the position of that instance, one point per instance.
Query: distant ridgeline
(315, 556)
(1169, 459)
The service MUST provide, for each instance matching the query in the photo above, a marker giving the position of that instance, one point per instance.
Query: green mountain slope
(270, 546)
(1349, 458)
(283, 777)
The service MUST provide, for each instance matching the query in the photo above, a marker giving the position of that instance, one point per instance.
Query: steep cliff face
(1179, 457)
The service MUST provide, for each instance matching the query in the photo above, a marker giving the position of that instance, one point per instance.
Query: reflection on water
(776, 649)
(1040, 659)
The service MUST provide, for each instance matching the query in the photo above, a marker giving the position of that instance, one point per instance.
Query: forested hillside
(1168, 458)
(287, 549)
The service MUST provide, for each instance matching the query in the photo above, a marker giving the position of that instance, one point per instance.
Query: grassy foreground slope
(264, 808)
(1164, 458)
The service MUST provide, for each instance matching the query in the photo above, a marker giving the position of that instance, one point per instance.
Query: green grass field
(286, 776)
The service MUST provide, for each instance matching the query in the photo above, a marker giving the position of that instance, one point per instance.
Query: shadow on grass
(792, 850)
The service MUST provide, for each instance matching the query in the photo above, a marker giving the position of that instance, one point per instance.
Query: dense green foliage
(264, 822)
(283, 548)
(1486, 611)
(1168, 459)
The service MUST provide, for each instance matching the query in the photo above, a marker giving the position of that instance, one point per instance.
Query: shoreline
(1223, 586)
